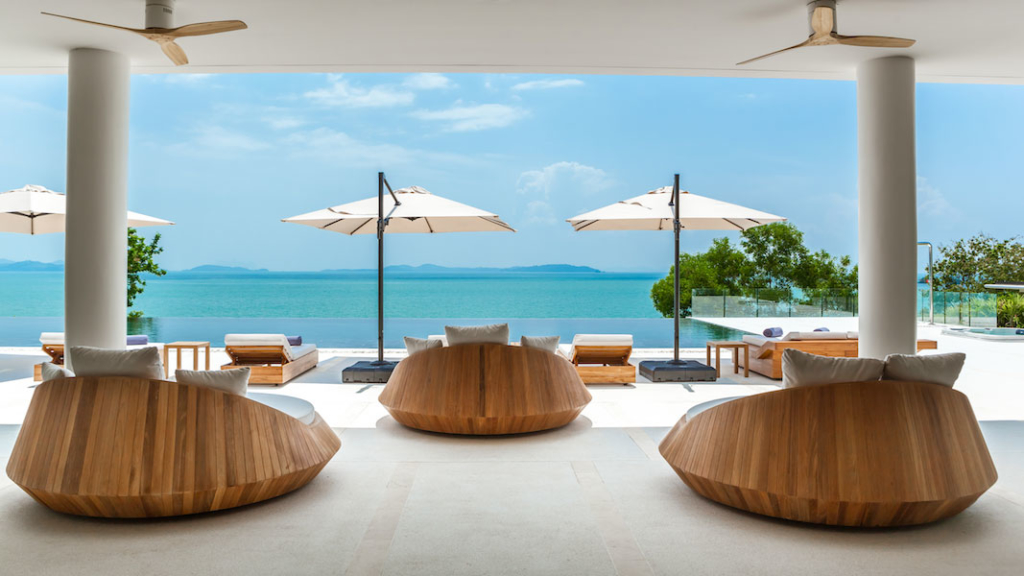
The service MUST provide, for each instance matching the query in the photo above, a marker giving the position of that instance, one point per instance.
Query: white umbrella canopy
(36, 210)
(417, 212)
(653, 211)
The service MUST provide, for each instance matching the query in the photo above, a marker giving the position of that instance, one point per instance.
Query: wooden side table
(736, 345)
(179, 346)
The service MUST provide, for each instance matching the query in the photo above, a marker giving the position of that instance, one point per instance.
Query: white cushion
(942, 369)
(300, 351)
(138, 363)
(852, 335)
(439, 337)
(803, 369)
(243, 340)
(51, 371)
(488, 333)
(233, 381)
(818, 335)
(602, 340)
(708, 405)
(297, 408)
(547, 343)
(414, 345)
(755, 340)
(51, 338)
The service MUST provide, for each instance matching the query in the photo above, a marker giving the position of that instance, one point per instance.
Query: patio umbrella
(669, 209)
(36, 210)
(404, 211)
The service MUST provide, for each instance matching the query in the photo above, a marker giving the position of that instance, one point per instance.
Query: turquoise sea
(338, 309)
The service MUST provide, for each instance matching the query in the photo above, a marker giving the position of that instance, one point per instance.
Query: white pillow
(233, 381)
(490, 333)
(137, 363)
(414, 345)
(942, 369)
(52, 371)
(548, 343)
(803, 369)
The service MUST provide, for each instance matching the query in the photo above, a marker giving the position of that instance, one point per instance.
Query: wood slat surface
(131, 448)
(859, 454)
(484, 389)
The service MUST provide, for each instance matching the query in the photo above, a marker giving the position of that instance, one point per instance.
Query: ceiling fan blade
(823, 20)
(105, 25)
(875, 41)
(761, 57)
(174, 52)
(204, 28)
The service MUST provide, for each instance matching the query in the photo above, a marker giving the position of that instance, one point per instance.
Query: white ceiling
(958, 40)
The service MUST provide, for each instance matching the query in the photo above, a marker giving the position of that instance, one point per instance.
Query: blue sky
(228, 156)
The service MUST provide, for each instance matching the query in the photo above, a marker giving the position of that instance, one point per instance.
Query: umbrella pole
(380, 267)
(675, 267)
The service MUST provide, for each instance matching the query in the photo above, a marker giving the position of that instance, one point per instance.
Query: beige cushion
(137, 363)
(489, 333)
(440, 338)
(602, 340)
(51, 338)
(51, 371)
(233, 381)
(548, 343)
(755, 340)
(803, 369)
(243, 340)
(414, 345)
(942, 369)
(817, 335)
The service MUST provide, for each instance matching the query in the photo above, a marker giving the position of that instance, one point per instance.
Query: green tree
(968, 264)
(775, 252)
(141, 256)
(722, 267)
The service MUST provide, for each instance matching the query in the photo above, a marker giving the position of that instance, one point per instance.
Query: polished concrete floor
(592, 498)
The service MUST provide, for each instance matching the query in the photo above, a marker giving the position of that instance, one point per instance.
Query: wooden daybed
(270, 358)
(766, 353)
(484, 389)
(134, 448)
(880, 453)
(603, 358)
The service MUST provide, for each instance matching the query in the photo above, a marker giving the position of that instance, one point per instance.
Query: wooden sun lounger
(56, 354)
(269, 364)
(603, 364)
(767, 359)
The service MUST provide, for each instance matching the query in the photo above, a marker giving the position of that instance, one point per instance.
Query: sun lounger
(53, 345)
(766, 353)
(270, 357)
(603, 358)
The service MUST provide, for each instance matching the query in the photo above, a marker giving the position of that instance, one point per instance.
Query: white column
(887, 207)
(95, 248)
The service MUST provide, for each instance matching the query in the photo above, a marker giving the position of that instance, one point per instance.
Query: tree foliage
(968, 264)
(141, 260)
(771, 258)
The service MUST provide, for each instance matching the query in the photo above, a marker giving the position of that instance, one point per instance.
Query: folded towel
(295, 340)
(772, 332)
(137, 340)
(822, 329)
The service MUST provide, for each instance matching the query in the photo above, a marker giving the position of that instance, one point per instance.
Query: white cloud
(283, 122)
(339, 146)
(931, 201)
(460, 118)
(427, 81)
(187, 79)
(220, 138)
(540, 212)
(547, 84)
(553, 185)
(342, 94)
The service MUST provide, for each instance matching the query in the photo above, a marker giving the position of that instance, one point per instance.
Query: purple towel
(822, 329)
(295, 340)
(772, 332)
(138, 340)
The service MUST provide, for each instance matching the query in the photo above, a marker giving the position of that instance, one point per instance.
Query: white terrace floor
(592, 498)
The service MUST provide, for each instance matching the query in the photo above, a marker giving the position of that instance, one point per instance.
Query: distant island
(213, 268)
(33, 266)
(30, 266)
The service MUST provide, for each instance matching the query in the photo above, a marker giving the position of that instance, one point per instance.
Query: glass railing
(773, 303)
(962, 308)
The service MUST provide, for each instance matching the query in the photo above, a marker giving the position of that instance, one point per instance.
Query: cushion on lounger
(708, 405)
(942, 369)
(295, 340)
(772, 332)
(852, 335)
(493, 333)
(243, 340)
(816, 336)
(602, 340)
(822, 329)
(755, 340)
(137, 363)
(297, 408)
(300, 351)
(548, 343)
(414, 345)
(137, 340)
(234, 381)
(440, 338)
(803, 369)
(51, 338)
(51, 371)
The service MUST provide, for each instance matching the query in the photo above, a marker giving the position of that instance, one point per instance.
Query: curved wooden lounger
(484, 389)
(134, 448)
(860, 454)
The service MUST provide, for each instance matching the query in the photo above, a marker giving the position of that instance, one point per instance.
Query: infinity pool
(1006, 334)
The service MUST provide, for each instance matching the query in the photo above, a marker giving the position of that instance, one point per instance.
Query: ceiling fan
(822, 15)
(160, 28)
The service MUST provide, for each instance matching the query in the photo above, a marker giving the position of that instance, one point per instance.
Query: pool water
(1007, 334)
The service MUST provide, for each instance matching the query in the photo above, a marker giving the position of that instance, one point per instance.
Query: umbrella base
(677, 371)
(367, 372)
